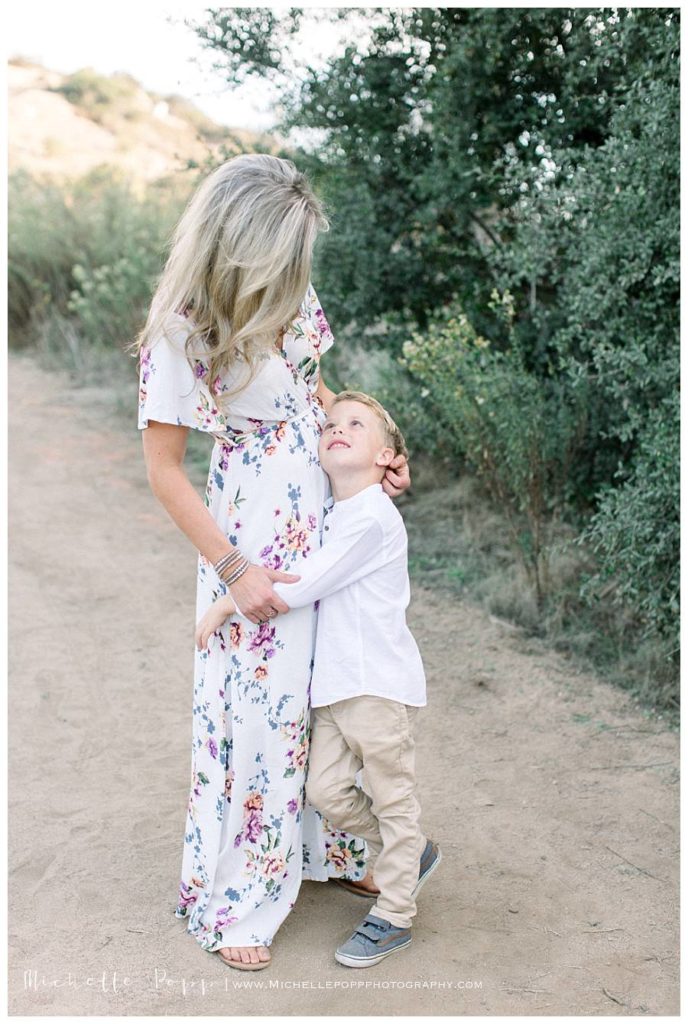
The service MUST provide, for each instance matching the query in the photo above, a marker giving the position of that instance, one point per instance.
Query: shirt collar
(356, 501)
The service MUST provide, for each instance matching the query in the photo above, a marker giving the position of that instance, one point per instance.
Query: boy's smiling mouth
(333, 444)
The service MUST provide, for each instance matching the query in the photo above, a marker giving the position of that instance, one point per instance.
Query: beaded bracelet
(237, 572)
(231, 566)
(227, 561)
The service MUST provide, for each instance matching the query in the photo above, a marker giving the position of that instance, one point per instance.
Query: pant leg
(330, 783)
(380, 733)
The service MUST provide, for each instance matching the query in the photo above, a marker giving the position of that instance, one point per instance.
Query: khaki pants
(375, 734)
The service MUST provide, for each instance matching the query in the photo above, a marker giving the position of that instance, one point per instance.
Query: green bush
(518, 431)
(88, 250)
(636, 534)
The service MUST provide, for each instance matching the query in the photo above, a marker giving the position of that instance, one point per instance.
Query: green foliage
(535, 151)
(636, 532)
(88, 251)
(519, 433)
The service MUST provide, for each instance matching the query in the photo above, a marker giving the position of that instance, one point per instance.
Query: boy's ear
(385, 457)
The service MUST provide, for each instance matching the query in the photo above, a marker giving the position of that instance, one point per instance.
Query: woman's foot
(366, 887)
(368, 883)
(245, 958)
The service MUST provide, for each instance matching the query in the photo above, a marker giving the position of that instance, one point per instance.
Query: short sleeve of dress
(170, 390)
(313, 310)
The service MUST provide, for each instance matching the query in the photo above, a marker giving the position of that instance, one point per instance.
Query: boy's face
(353, 439)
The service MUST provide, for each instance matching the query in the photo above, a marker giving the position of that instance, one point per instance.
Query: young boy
(368, 680)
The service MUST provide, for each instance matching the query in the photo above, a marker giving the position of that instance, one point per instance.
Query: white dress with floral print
(250, 839)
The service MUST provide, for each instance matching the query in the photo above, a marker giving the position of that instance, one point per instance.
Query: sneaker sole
(427, 874)
(369, 961)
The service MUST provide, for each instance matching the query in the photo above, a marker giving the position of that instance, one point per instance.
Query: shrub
(636, 533)
(88, 249)
(519, 432)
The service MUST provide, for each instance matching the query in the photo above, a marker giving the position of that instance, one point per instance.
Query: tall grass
(83, 259)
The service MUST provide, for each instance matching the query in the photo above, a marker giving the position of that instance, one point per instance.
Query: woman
(232, 347)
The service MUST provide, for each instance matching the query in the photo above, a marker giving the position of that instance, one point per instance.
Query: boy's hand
(397, 477)
(218, 612)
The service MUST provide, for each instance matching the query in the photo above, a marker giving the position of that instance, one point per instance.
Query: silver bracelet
(227, 561)
(239, 571)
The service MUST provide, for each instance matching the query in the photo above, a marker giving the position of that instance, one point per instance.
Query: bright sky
(149, 41)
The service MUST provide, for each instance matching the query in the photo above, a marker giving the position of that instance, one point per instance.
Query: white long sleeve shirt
(360, 576)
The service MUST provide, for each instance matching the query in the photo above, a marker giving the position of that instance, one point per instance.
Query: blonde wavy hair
(240, 263)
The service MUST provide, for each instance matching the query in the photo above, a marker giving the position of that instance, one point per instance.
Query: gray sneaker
(373, 940)
(429, 861)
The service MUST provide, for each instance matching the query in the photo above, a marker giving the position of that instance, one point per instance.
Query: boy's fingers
(284, 577)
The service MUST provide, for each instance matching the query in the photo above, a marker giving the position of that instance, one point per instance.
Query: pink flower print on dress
(223, 918)
(144, 374)
(273, 864)
(340, 857)
(252, 827)
(300, 755)
(253, 802)
(187, 897)
(296, 536)
(323, 327)
(236, 634)
(262, 640)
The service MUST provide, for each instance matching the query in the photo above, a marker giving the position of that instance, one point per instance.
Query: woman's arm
(164, 445)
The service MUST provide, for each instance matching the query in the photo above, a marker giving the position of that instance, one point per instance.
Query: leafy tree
(535, 151)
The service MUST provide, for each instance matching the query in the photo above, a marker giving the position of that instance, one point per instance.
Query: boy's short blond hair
(393, 435)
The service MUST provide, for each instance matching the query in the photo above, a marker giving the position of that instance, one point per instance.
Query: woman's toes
(245, 954)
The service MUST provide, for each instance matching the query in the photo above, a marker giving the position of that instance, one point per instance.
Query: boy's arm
(341, 561)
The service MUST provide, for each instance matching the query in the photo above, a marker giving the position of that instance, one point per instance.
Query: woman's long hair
(240, 262)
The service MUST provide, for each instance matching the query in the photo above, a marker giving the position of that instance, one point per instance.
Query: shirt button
(327, 527)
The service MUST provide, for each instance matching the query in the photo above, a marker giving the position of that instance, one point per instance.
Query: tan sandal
(354, 887)
(240, 965)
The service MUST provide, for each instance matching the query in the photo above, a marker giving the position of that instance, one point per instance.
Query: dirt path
(554, 799)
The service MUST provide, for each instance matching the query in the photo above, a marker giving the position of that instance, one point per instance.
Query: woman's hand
(397, 476)
(253, 594)
(218, 613)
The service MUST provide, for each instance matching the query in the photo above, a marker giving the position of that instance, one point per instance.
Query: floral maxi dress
(250, 838)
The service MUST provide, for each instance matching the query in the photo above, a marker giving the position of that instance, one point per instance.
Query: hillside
(63, 126)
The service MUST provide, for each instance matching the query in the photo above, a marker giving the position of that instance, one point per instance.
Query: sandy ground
(554, 798)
